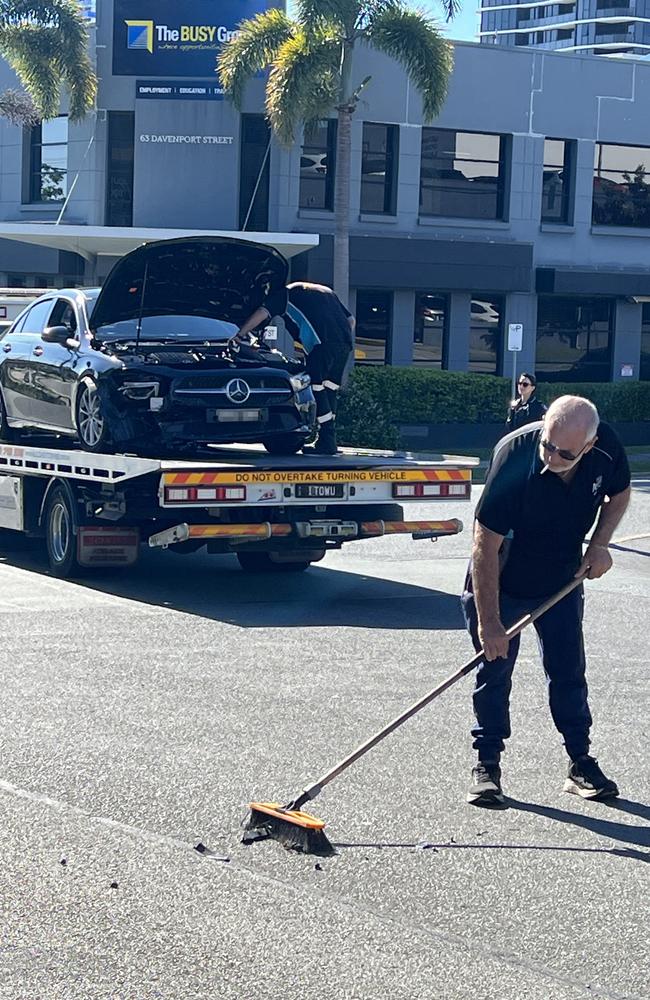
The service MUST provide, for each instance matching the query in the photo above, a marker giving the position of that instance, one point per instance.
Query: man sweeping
(547, 484)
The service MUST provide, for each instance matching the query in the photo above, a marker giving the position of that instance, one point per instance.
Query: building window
(644, 368)
(429, 334)
(621, 186)
(119, 169)
(48, 160)
(379, 161)
(556, 188)
(317, 166)
(374, 320)
(485, 333)
(573, 339)
(254, 161)
(462, 174)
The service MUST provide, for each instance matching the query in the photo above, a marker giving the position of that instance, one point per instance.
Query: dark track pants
(326, 368)
(559, 634)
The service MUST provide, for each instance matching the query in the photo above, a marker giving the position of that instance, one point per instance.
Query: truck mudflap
(304, 529)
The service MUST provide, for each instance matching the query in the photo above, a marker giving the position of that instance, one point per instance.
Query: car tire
(7, 434)
(261, 562)
(91, 423)
(60, 535)
(284, 444)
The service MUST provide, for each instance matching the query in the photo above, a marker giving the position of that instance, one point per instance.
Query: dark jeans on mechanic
(559, 634)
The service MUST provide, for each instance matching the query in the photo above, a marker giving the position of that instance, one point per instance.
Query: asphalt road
(140, 713)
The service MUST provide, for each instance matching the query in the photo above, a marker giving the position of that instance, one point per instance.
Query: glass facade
(379, 166)
(574, 339)
(430, 330)
(317, 165)
(374, 320)
(604, 27)
(48, 160)
(119, 169)
(556, 185)
(644, 368)
(621, 186)
(485, 333)
(462, 174)
(254, 164)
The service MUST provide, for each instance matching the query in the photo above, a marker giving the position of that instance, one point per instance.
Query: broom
(299, 831)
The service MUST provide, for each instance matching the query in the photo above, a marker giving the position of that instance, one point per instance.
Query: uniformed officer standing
(546, 485)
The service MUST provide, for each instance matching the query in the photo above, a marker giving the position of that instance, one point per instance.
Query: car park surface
(140, 712)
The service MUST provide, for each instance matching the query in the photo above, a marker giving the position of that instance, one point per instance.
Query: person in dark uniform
(324, 326)
(526, 407)
(546, 486)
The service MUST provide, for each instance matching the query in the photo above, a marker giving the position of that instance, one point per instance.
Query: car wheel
(7, 434)
(261, 562)
(284, 444)
(92, 426)
(60, 534)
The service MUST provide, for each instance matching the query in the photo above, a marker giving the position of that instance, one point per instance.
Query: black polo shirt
(326, 313)
(545, 518)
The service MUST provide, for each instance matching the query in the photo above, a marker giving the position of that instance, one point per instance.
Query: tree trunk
(342, 203)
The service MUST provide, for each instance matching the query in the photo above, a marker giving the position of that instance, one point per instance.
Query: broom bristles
(296, 831)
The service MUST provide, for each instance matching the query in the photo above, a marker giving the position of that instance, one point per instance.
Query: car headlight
(140, 390)
(300, 382)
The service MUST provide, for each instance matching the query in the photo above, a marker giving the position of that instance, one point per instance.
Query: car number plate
(320, 491)
(235, 416)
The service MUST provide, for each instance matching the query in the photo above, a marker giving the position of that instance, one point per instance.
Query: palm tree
(46, 44)
(311, 72)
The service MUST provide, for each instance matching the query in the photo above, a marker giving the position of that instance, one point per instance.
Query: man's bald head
(569, 432)
(573, 412)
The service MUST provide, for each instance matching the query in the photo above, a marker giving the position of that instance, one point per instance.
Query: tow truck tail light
(203, 494)
(405, 490)
(415, 490)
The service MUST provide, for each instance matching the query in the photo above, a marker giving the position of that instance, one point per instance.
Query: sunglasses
(568, 456)
(524, 383)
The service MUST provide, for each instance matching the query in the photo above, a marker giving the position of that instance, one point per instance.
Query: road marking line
(628, 538)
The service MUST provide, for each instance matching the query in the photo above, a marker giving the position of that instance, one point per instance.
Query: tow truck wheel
(261, 562)
(92, 426)
(60, 535)
(284, 444)
(7, 434)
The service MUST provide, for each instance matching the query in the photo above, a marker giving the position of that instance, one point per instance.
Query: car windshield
(181, 328)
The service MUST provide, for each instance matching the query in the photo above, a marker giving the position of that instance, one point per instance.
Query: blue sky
(464, 25)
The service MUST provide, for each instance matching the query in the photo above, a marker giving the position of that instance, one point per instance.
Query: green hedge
(377, 400)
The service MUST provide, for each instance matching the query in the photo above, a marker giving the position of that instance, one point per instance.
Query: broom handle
(313, 790)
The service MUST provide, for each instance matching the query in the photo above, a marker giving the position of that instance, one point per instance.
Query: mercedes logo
(237, 390)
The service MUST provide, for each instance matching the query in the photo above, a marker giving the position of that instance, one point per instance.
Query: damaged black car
(147, 362)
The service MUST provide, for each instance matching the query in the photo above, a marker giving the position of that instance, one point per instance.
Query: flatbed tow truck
(276, 514)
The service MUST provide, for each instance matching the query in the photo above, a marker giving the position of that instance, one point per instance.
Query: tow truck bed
(275, 513)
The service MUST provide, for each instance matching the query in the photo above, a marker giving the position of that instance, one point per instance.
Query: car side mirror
(57, 335)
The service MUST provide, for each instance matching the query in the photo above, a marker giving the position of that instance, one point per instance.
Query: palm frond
(32, 53)
(451, 8)
(254, 49)
(413, 40)
(58, 36)
(304, 81)
(343, 13)
(18, 108)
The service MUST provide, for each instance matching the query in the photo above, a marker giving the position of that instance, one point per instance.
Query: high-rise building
(602, 27)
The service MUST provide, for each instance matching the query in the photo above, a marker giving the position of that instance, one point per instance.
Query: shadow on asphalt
(213, 587)
(623, 832)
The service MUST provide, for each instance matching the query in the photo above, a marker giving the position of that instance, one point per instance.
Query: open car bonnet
(213, 277)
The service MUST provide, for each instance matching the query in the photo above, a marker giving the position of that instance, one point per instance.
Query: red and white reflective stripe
(331, 385)
(325, 418)
(206, 494)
